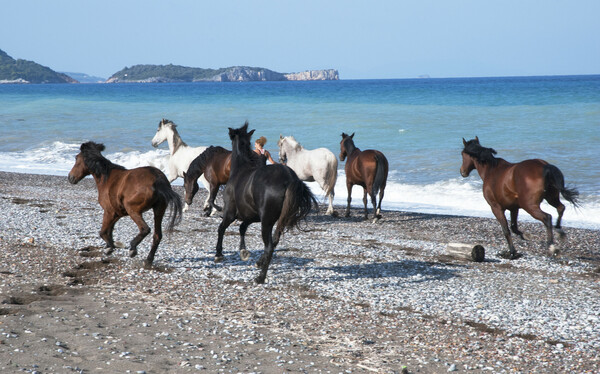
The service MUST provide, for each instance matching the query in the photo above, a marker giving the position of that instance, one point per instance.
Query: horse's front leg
(499, 214)
(106, 232)
(514, 213)
(349, 187)
(228, 218)
(211, 208)
(265, 259)
(244, 254)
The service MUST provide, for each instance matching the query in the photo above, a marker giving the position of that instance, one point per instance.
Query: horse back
(362, 167)
(516, 184)
(134, 186)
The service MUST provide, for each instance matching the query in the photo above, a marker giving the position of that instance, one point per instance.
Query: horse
(269, 194)
(318, 165)
(215, 165)
(123, 192)
(518, 186)
(368, 169)
(181, 153)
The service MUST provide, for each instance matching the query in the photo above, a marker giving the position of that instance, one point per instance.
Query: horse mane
(482, 154)
(294, 143)
(95, 162)
(197, 166)
(245, 153)
(177, 141)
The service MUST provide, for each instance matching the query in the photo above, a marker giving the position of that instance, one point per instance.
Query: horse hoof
(132, 253)
(219, 259)
(109, 251)
(259, 280)
(244, 255)
(561, 233)
(506, 254)
(147, 264)
(553, 250)
(186, 207)
(347, 214)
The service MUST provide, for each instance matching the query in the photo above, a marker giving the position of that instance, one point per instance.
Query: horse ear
(184, 174)
(352, 136)
(251, 132)
(344, 135)
(464, 142)
(477, 139)
(280, 136)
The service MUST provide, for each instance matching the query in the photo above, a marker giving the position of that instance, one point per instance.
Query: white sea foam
(452, 197)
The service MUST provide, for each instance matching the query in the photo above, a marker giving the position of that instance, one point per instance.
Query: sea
(419, 124)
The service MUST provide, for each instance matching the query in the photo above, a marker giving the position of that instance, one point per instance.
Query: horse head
(190, 186)
(89, 152)
(164, 126)
(240, 139)
(346, 145)
(473, 152)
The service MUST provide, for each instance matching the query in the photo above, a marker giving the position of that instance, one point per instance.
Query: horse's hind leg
(265, 259)
(106, 232)
(560, 208)
(144, 231)
(365, 193)
(228, 218)
(378, 212)
(349, 187)
(514, 213)
(546, 219)
(159, 213)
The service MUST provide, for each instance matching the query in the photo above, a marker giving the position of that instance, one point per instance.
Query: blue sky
(362, 39)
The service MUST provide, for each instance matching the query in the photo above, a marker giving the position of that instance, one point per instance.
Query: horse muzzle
(464, 173)
(73, 180)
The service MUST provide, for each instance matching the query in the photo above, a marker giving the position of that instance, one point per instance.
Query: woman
(258, 148)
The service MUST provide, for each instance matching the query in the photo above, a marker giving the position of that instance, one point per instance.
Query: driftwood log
(468, 252)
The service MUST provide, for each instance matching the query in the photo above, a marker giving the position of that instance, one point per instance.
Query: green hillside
(23, 71)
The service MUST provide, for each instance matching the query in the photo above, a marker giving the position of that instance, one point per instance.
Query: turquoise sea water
(419, 125)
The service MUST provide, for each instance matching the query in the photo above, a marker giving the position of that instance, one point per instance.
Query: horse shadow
(419, 271)
(288, 262)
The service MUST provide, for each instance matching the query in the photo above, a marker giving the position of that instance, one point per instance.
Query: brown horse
(215, 164)
(518, 186)
(123, 192)
(368, 169)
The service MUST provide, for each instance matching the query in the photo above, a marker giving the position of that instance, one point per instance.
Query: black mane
(197, 166)
(482, 154)
(95, 162)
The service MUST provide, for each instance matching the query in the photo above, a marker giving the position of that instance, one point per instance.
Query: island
(177, 73)
(23, 71)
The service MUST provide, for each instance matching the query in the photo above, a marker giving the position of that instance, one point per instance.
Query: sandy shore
(344, 296)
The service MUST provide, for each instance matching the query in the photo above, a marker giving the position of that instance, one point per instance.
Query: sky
(361, 39)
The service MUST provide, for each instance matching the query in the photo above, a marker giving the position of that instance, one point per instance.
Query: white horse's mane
(293, 142)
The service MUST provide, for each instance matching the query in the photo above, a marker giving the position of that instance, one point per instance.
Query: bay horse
(123, 192)
(269, 194)
(215, 165)
(181, 154)
(518, 186)
(368, 169)
(318, 165)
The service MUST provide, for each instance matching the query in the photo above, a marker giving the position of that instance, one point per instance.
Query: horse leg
(159, 213)
(349, 187)
(499, 214)
(211, 200)
(378, 213)
(330, 211)
(546, 219)
(106, 232)
(365, 193)
(265, 259)
(560, 208)
(514, 213)
(228, 218)
(244, 254)
(144, 231)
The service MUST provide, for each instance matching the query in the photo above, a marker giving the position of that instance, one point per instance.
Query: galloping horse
(181, 154)
(518, 186)
(123, 192)
(368, 169)
(262, 193)
(310, 165)
(215, 165)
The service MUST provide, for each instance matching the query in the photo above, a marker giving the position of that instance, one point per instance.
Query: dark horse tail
(175, 205)
(554, 179)
(380, 173)
(297, 204)
(196, 168)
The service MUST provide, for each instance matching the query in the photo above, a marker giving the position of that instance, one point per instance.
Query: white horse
(181, 156)
(318, 165)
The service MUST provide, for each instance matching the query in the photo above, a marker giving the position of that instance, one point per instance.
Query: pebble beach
(342, 295)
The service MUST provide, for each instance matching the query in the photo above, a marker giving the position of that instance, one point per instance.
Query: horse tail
(175, 206)
(554, 179)
(331, 177)
(297, 203)
(381, 173)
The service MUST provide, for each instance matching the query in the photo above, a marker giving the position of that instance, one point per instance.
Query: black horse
(256, 192)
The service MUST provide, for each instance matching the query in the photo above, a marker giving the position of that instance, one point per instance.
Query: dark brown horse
(518, 186)
(215, 164)
(368, 169)
(123, 192)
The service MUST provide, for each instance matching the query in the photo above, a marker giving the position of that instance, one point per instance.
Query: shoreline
(344, 295)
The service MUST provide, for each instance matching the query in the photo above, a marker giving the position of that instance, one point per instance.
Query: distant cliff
(176, 73)
(23, 71)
